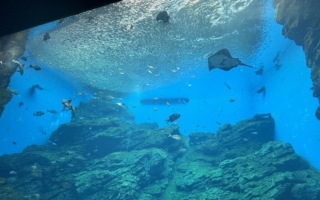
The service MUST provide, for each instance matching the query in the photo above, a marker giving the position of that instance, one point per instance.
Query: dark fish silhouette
(259, 71)
(224, 61)
(52, 111)
(227, 86)
(90, 18)
(37, 86)
(60, 20)
(276, 58)
(36, 67)
(38, 113)
(261, 90)
(21, 103)
(46, 36)
(23, 58)
(163, 16)
(14, 143)
(173, 117)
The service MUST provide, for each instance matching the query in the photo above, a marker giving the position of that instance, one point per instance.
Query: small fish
(151, 67)
(21, 103)
(133, 106)
(163, 16)
(69, 152)
(168, 104)
(278, 65)
(227, 85)
(172, 117)
(120, 104)
(43, 132)
(90, 18)
(36, 67)
(259, 71)
(110, 97)
(38, 113)
(232, 100)
(53, 143)
(52, 111)
(14, 92)
(254, 133)
(276, 58)
(129, 27)
(14, 143)
(60, 20)
(23, 58)
(219, 123)
(12, 172)
(37, 86)
(46, 36)
(183, 150)
(176, 137)
(262, 89)
(155, 109)
(149, 71)
(70, 165)
(67, 104)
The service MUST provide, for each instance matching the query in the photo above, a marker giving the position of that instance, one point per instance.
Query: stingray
(163, 16)
(224, 61)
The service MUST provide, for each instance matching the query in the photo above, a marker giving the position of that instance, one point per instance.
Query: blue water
(288, 98)
(18, 123)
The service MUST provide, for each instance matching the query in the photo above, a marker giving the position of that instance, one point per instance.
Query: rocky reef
(103, 154)
(301, 23)
(11, 48)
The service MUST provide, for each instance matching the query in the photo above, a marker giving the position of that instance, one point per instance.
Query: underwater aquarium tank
(186, 99)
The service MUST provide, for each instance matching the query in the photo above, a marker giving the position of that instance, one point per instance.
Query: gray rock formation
(107, 156)
(301, 23)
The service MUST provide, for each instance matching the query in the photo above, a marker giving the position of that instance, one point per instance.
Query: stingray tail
(246, 65)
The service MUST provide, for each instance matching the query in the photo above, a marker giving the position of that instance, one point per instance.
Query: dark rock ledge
(301, 23)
